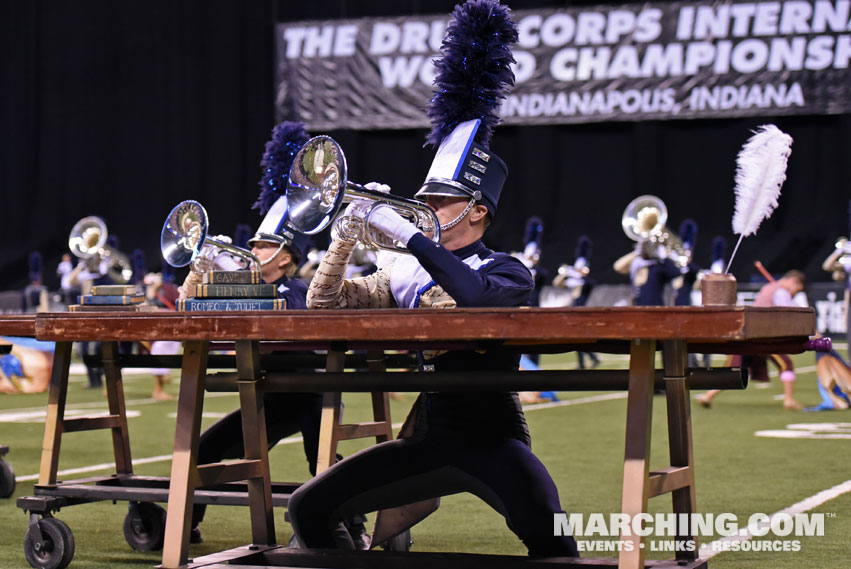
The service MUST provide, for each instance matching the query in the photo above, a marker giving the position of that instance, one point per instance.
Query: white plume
(760, 175)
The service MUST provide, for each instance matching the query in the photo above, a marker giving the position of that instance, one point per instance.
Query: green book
(115, 290)
(208, 304)
(232, 277)
(235, 291)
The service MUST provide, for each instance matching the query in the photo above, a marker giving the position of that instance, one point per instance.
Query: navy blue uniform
(453, 442)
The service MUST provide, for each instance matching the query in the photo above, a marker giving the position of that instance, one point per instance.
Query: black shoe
(195, 535)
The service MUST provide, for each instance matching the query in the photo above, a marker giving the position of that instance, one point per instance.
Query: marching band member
(684, 284)
(838, 264)
(531, 257)
(454, 442)
(279, 249)
(649, 270)
(576, 279)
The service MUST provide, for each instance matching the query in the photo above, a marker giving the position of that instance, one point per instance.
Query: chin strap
(461, 216)
(269, 259)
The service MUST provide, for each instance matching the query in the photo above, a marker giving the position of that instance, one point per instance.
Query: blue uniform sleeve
(295, 295)
(502, 281)
(670, 269)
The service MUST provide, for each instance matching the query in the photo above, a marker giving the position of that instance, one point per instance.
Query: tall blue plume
(287, 139)
(534, 230)
(584, 247)
(719, 249)
(688, 233)
(137, 260)
(35, 267)
(474, 73)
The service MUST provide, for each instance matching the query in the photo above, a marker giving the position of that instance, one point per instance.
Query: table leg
(675, 363)
(55, 414)
(184, 466)
(335, 361)
(115, 397)
(636, 470)
(255, 441)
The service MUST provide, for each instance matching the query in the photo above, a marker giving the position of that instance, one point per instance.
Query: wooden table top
(519, 326)
(17, 325)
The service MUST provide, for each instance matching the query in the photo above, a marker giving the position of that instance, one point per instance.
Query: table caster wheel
(53, 549)
(144, 526)
(7, 479)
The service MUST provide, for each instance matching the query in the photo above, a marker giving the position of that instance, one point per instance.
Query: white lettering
(385, 38)
(400, 71)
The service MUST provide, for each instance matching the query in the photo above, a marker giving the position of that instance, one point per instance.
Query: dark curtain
(124, 109)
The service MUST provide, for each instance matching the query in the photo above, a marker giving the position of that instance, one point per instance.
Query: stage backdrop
(649, 61)
(124, 109)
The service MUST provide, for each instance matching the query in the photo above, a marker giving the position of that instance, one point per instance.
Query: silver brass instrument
(88, 241)
(318, 187)
(184, 240)
(644, 220)
(842, 244)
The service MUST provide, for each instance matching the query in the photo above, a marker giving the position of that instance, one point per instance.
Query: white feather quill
(760, 174)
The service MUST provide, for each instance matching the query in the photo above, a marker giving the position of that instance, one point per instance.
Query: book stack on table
(232, 290)
(125, 298)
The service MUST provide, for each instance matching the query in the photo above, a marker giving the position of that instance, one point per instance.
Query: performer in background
(576, 278)
(530, 256)
(451, 442)
(838, 264)
(684, 284)
(649, 270)
(833, 372)
(719, 254)
(35, 293)
(26, 368)
(777, 293)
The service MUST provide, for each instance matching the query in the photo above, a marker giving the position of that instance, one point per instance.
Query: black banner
(585, 64)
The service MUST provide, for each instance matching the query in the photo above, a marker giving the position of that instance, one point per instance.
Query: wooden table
(637, 331)
(17, 325)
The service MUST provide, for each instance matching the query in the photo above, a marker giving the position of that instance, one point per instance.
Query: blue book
(207, 304)
(113, 299)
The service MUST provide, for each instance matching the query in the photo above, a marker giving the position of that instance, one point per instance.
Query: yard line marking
(104, 403)
(710, 550)
(138, 461)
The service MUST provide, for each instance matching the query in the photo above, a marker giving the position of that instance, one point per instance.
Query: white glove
(359, 206)
(378, 187)
(393, 225)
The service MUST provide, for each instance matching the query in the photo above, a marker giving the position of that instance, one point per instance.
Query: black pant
(503, 472)
(286, 415)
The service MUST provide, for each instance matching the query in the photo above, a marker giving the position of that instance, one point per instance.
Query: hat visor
(437, 188)
(267, 237)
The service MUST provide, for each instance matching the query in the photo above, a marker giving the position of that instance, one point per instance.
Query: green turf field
(581, 442)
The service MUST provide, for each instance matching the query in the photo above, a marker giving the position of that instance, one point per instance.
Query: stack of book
(232, 290)
(126, 298)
